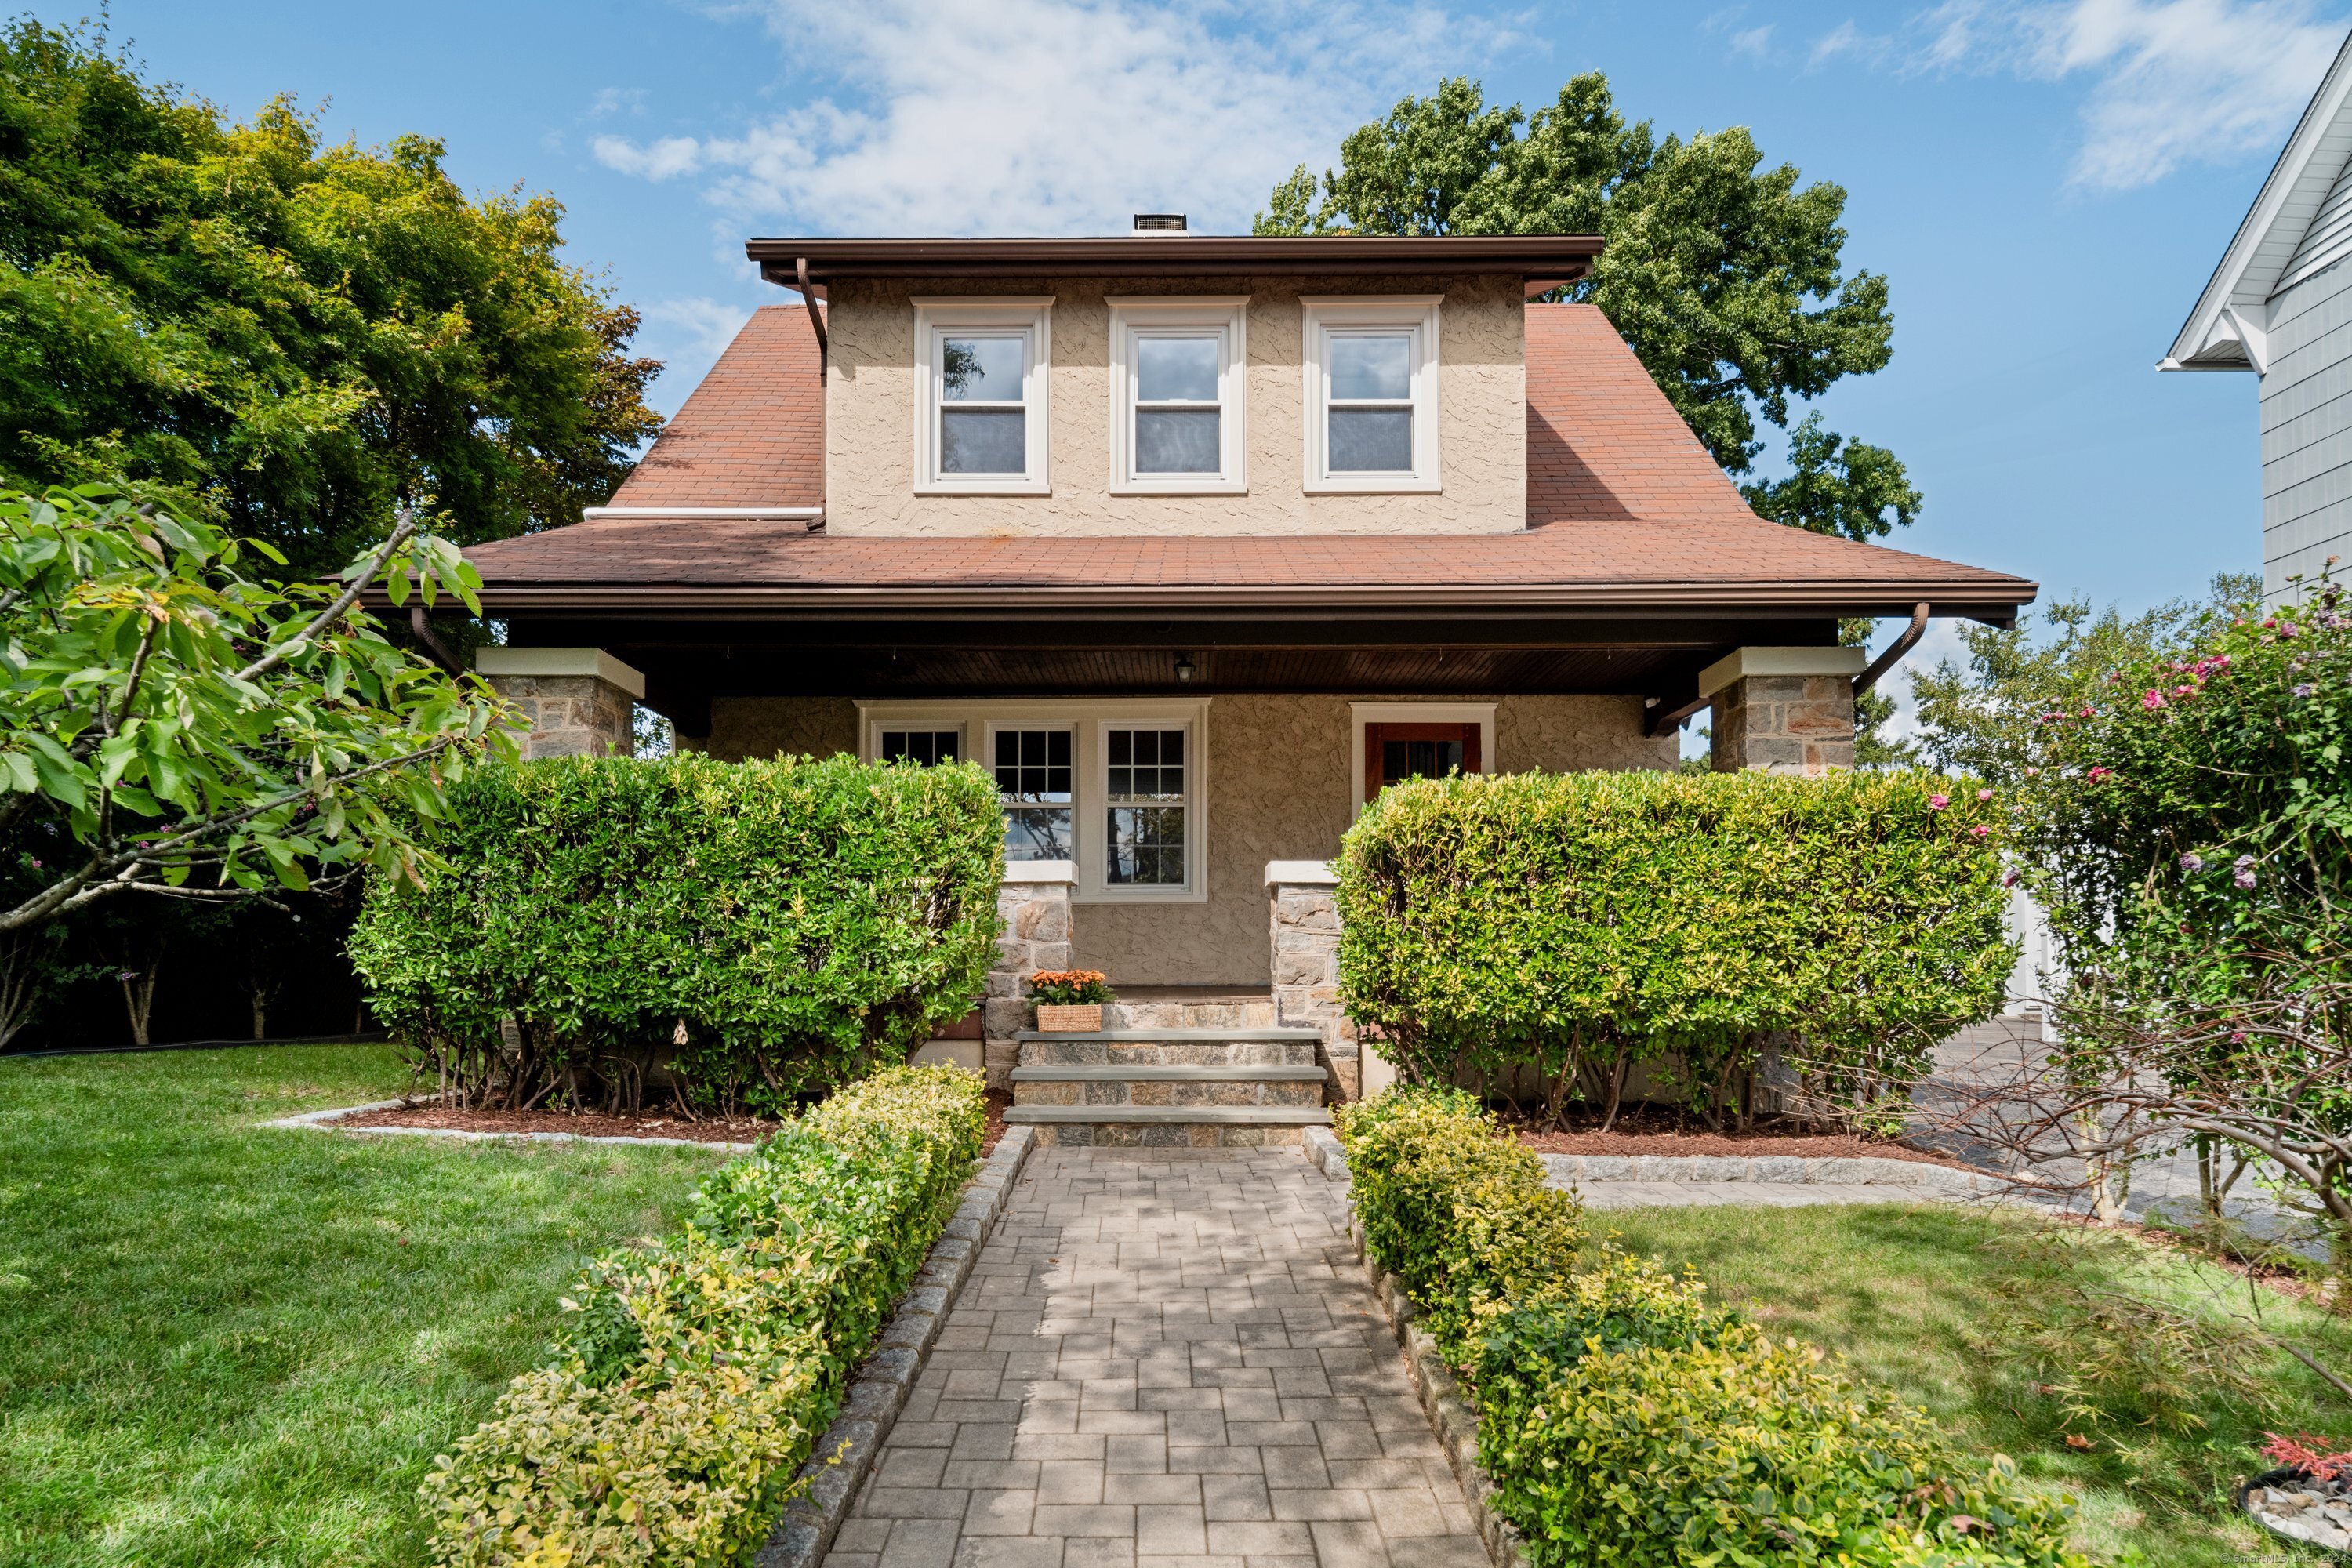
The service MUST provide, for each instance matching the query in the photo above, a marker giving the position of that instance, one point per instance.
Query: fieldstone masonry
(1305, 921)
(1782, 710)
(574, 700)
(1034, 905)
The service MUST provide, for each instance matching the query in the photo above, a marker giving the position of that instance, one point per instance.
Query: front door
(1397, 752)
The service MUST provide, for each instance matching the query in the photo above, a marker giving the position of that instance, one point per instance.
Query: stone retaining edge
(1450, 1415)
(326, 1120)
(1563, 1171)
(870, 1407)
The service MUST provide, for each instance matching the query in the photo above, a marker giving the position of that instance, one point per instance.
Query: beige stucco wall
(870, 417)
(1277, 790)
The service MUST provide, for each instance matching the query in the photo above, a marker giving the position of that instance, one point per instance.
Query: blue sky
(2047, 183)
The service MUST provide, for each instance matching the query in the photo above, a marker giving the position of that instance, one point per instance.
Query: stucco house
(2280, 305)
(1196, 541)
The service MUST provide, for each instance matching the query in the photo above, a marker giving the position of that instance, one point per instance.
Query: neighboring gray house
(2280, 305)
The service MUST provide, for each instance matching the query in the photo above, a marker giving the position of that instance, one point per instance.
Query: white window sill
(1373, 485)
(1192, 486)
(1137, 896)
(989, 487)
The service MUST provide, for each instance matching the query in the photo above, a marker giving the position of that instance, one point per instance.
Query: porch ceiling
(686, 663)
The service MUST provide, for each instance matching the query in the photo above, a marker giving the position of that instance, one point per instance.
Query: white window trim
(935, 317)
(1090, 773)
(1362, 713)
(1321, 315)
(1228, 315)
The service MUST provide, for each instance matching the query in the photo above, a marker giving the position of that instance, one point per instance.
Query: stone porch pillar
(1304, 927)
(575, 700)
(1032, 912)
(1782, 710)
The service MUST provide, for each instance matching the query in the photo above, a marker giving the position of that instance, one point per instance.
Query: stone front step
(1168, 1126)
(1226, 1089)
(1079, 1073)
(1189, 1008)
(1171, 1048)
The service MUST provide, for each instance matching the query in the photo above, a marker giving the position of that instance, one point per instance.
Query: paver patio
(1164, 1359)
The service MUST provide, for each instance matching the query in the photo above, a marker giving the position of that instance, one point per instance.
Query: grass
(221, 1343)
(1927, 1300)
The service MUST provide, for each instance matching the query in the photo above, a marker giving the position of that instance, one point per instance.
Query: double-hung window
(929, 745)
(1371, 393)
(982, 366)
(1036, 770)
(1178, 370)
(1145, 838)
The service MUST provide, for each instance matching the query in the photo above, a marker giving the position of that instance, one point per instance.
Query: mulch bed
(1644, 1132)
(596, 1124)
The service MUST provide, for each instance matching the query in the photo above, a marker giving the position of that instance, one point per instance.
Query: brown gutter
(1895, 650)
(817, 317)
(1996, 601)
(1555, 258)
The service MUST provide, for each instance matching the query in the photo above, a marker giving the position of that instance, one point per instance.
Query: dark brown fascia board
(1996, 603)
(1558, 259)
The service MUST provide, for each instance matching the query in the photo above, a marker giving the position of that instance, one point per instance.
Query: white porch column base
(1032, 912)
(1304, 924)
(574, 700)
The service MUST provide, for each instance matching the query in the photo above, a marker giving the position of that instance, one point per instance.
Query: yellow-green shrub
(756, 930)
(1458, 1213)
(1627, 1421)
(693, 1377)
(1568, 924)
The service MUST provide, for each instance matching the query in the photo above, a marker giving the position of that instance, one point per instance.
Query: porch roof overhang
(716, 607)
(1546, 259)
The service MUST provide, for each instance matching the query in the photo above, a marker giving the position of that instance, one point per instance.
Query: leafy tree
(284, 339)
(169, 724)
(1725, 277)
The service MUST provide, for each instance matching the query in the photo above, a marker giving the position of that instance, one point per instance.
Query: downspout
(1895, 650)
(422, 629)
(817, 317)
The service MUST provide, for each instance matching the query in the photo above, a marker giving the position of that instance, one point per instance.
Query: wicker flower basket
(1069, 1017)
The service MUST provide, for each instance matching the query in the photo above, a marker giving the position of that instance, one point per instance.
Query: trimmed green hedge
(754, 929)
(1627, 1421)
(1577, 925)
(693, 1376)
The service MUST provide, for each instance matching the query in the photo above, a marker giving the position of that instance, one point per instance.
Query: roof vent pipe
(1160, 222)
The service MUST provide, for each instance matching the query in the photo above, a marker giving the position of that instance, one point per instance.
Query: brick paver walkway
(1164, 1359)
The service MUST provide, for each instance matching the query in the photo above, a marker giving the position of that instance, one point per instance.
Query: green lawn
(223, 1343)
(1906, 1294)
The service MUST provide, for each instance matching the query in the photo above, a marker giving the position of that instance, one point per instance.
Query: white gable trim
(2226, 330)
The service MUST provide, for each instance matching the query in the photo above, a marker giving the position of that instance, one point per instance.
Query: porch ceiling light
(1183, 669)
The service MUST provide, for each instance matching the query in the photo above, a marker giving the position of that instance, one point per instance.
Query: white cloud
(2169, 81)
(663, 160)
(1057, 116)
(1753, 42)
(617, 100)
(1846, 41)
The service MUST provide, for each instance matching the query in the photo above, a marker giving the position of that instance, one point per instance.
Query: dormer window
(1371, 393)
(1177, 395)
(980, 421)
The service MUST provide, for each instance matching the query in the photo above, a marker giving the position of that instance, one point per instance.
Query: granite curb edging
(831, 1477)
(1564, 1171)
(1450, 1415)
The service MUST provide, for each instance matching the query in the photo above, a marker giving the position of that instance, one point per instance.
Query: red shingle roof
(752, 434)
(1626, 510)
